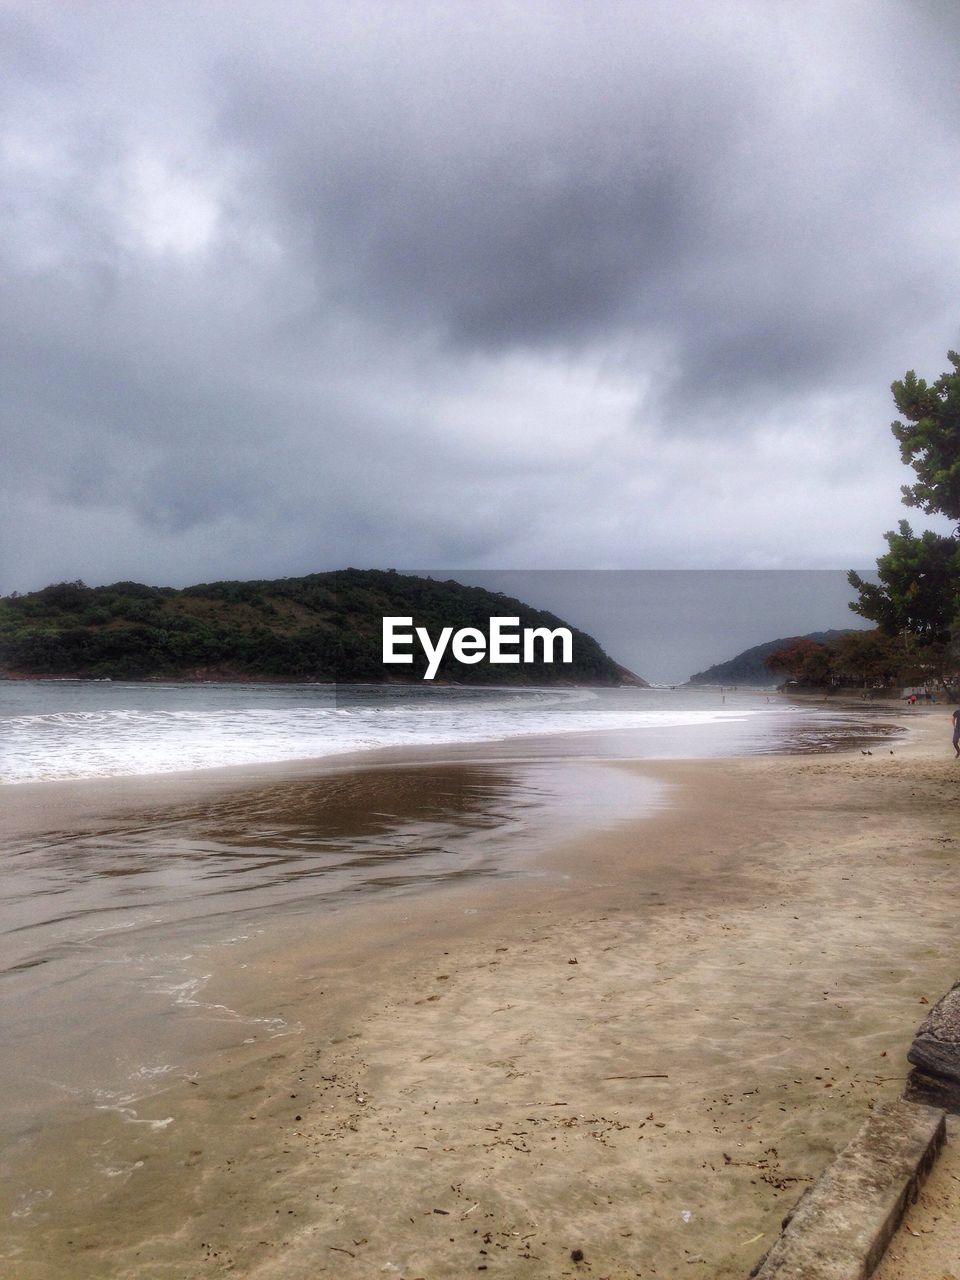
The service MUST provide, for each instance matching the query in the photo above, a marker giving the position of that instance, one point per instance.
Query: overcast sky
(293, 286)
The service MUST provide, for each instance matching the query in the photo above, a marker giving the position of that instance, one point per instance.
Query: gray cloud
(291, 287)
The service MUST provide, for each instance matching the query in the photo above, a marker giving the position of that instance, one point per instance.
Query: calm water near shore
(114, 918)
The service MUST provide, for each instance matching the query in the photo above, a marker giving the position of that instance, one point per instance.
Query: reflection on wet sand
(306, 842)
(109, 931)
(279, 845)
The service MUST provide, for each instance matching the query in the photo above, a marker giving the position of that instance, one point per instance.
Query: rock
(934, 1091)
(935, 1054)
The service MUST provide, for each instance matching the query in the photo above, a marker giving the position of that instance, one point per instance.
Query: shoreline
(636, 682)
(159, 786)
(442, 1032)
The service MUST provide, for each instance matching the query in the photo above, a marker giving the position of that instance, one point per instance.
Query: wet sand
(642, 1048)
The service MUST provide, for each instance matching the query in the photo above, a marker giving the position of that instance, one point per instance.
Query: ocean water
(61, 729)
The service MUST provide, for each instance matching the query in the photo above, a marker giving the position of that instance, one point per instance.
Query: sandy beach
(628, 1061)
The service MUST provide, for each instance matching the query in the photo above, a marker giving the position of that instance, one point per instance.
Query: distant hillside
(748, 667)
(325, 627)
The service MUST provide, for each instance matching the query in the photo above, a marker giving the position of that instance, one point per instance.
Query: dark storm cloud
(292, 286)
(543, 231)
(552, 183)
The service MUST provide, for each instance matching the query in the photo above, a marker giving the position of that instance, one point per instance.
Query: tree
(930, 439)
(919, 588)
(861, 659)
(802, 659)
(918, 593)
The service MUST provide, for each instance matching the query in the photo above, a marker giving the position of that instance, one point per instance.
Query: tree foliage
(325, 627)
(930, 439)
(917, 595)
(919, 585)
(862, 660)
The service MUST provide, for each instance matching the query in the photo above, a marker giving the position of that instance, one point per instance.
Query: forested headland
(322, 627)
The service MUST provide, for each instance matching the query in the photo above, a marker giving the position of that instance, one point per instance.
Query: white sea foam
(62, 733)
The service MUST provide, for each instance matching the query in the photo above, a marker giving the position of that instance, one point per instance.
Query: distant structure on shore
(749, 667)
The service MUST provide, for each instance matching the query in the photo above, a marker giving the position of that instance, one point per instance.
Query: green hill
(749, 667)
(325, 627)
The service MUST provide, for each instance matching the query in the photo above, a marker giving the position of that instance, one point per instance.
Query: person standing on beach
(956, 731)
